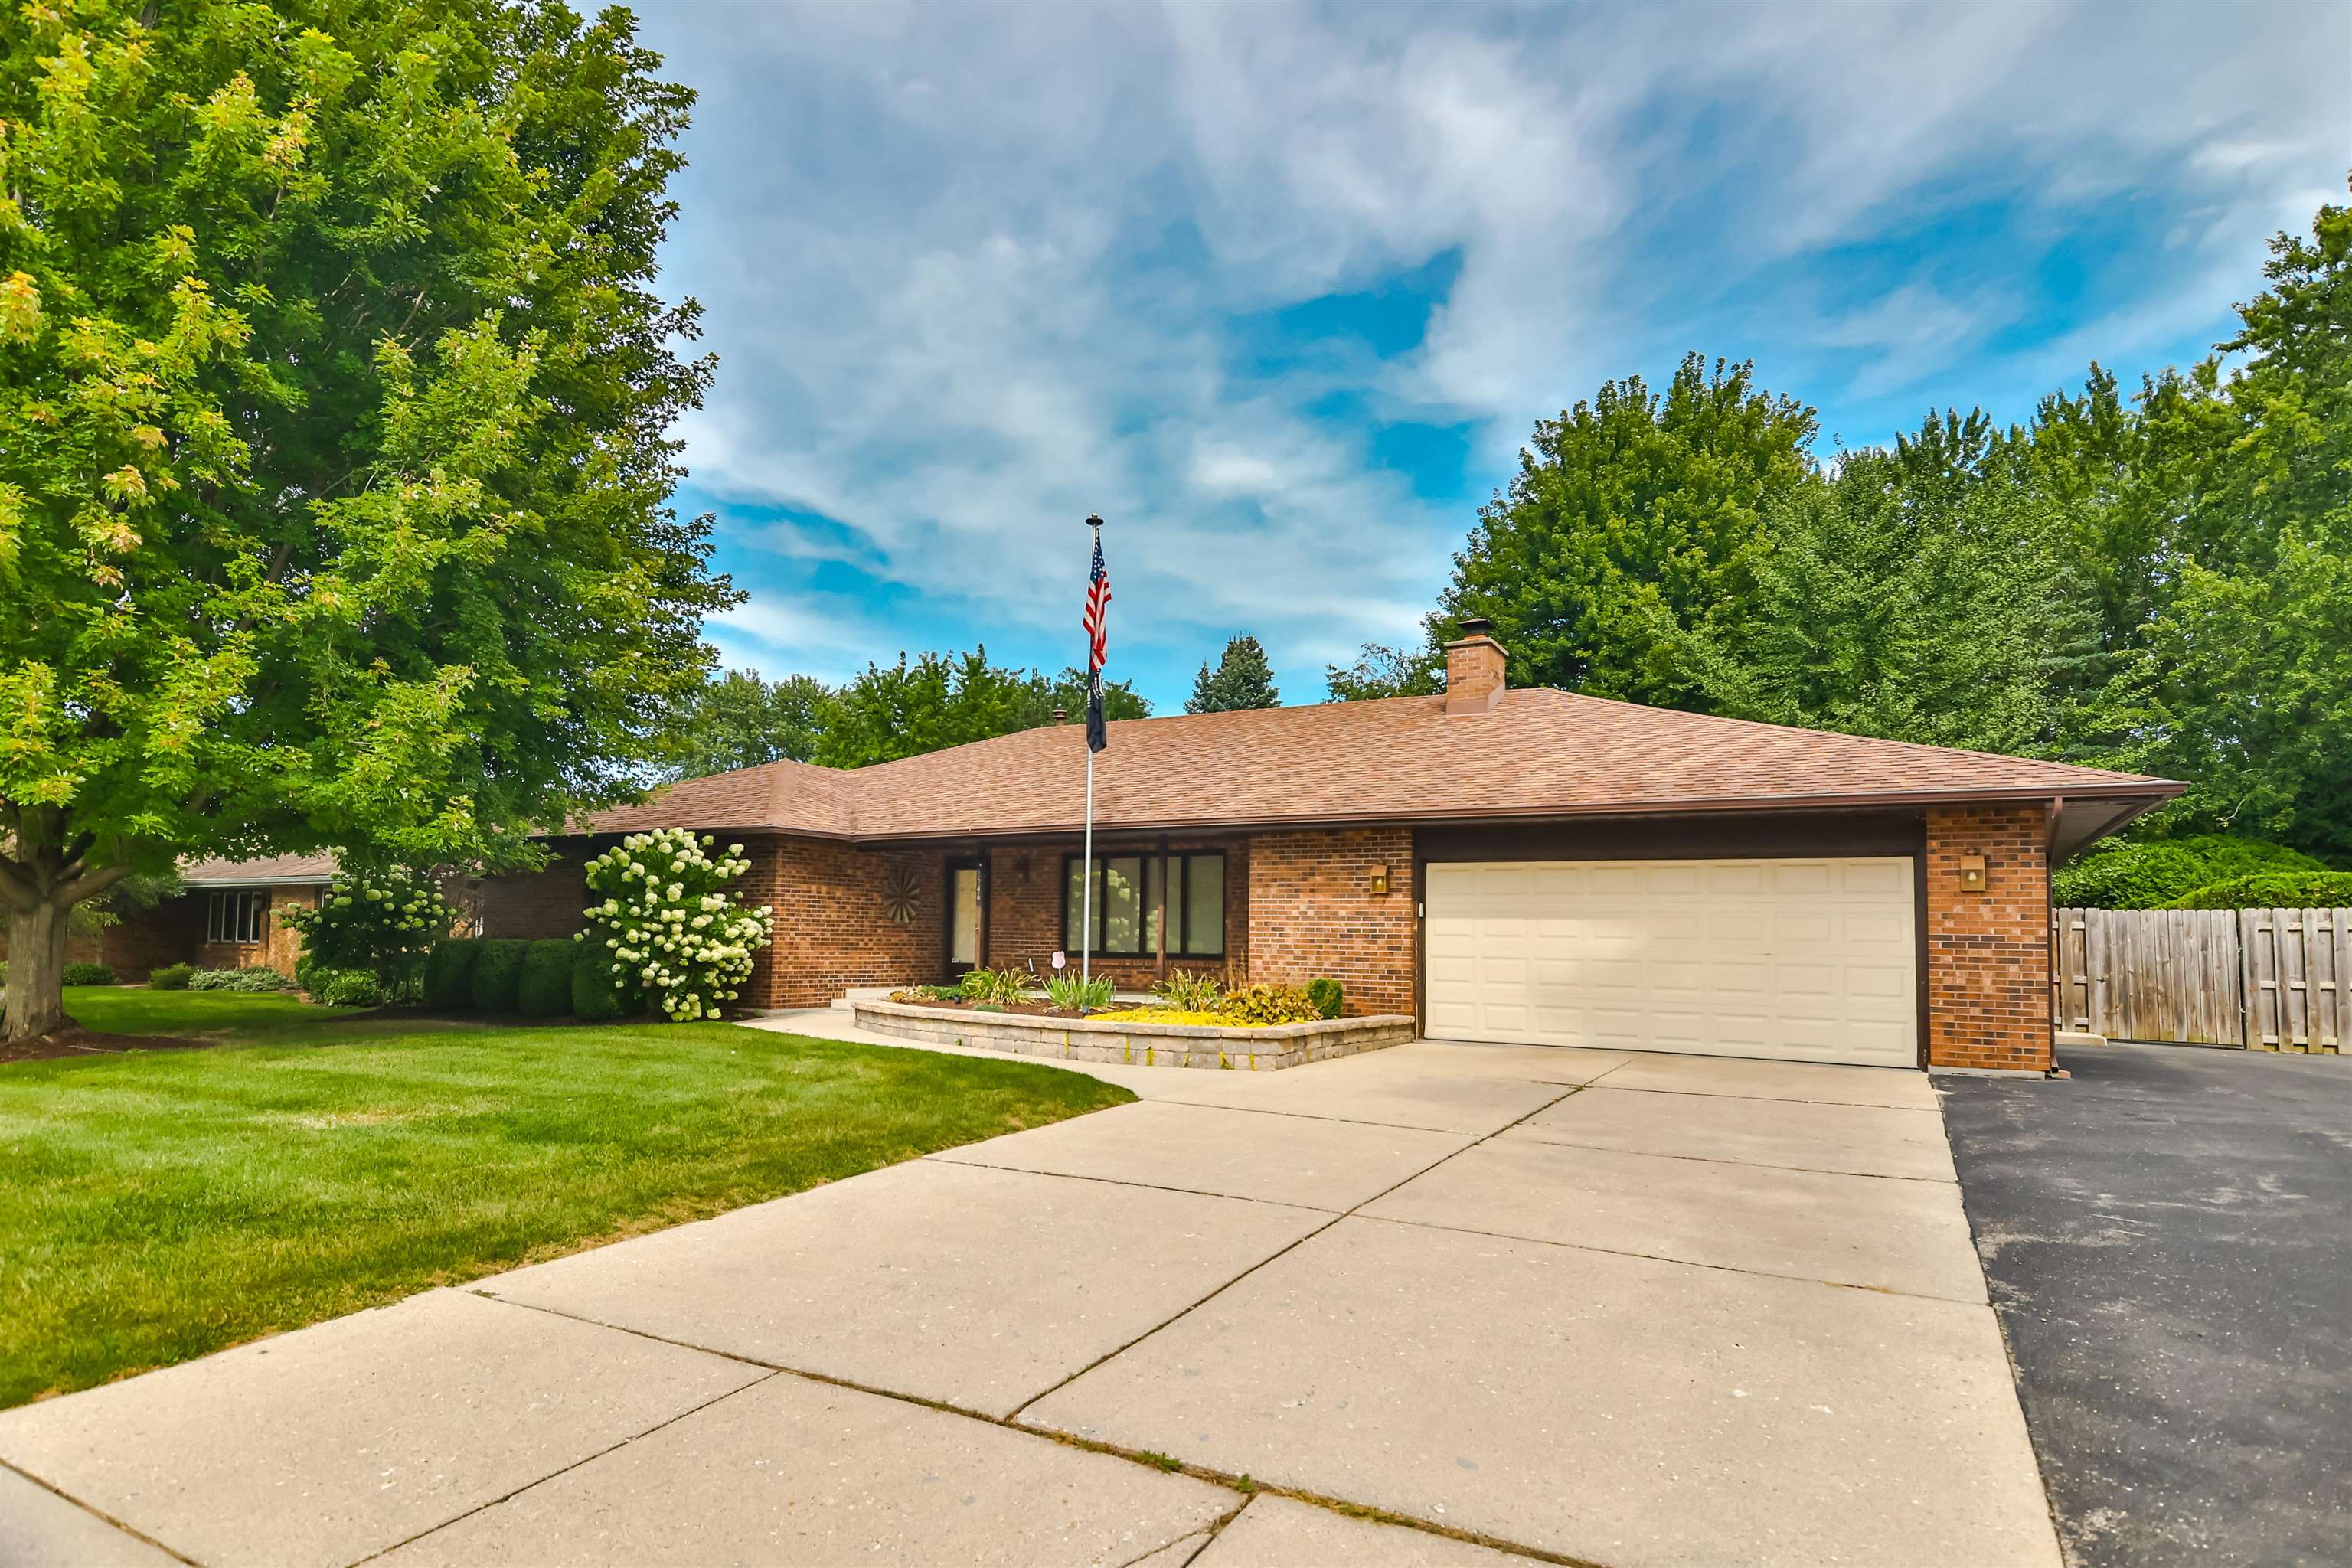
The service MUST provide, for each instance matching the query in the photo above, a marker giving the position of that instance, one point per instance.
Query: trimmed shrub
(544, 990)
(596, 994)
(498, 974)
(1324, 991)
(349, 988)
(2148, 874)
(450, 974)
(1265, 1003)
(259, 977)
(170, 977)
(2273, 891)
(88, 974)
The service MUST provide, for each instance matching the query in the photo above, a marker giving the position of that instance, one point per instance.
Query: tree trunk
(37, 964)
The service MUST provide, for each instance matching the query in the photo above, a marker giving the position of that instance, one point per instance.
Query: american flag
(1096, 622)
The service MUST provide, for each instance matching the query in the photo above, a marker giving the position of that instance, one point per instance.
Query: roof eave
(2154, 792)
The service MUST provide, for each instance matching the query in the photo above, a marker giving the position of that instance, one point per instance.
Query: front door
(965, 917)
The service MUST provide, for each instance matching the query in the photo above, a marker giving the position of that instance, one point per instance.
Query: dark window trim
(1178, 877)
(228, 915)
(946, 915)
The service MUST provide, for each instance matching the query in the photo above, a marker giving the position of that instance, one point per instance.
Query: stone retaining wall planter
(1143, 1045)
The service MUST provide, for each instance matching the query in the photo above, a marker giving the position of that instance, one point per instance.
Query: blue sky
(1280, 290)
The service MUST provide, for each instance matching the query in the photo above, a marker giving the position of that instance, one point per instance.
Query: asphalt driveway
(1440, 1304)
(2169, 1238)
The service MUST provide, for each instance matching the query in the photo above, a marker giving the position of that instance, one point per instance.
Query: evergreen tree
(1243, 679)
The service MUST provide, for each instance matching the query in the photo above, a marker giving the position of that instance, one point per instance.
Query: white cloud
(970, 271)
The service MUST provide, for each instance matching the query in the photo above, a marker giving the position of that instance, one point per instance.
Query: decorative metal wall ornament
(899, 895)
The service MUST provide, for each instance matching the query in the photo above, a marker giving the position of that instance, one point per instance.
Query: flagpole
(1086, 860)
(1087, 900)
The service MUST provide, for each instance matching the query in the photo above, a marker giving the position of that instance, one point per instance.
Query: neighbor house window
(240, 918)
(1126, 901)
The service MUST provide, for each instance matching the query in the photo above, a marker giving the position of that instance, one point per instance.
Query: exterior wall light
(1379, 879)
(1972, 874)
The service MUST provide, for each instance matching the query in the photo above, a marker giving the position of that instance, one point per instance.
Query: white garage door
(1800, 960)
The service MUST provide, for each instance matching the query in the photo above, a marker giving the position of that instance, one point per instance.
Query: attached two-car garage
(1800, 960)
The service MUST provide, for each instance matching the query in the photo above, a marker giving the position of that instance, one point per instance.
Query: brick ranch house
(1512, 864)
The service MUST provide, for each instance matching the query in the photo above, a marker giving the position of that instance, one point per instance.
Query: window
(1127, 899)
(239, 918)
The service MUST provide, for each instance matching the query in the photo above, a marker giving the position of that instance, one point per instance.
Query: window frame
(230, 912)
(1177, 875)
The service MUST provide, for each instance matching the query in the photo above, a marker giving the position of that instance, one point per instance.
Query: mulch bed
(78, 1042)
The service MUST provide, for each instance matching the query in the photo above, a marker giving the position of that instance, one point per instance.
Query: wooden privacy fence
(2273, 980)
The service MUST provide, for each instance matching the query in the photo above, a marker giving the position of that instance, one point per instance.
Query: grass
(244, 1016)
(159, 1206)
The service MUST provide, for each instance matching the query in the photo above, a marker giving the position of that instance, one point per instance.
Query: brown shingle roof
(268, 868)
(1537, 752)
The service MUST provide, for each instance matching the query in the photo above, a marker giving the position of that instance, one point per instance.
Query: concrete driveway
(1437, 1304)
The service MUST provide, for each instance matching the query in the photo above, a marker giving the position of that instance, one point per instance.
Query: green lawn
(156, 1206)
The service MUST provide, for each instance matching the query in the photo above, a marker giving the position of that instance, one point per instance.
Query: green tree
(1243, 679)
(1066, 694)
(737, 719)
(1920, 594)
(1629, 528)
(948, 699)
(334, 463)
(1386, 670)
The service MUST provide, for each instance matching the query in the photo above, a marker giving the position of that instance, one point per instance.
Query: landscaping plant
(996, 987)
(450, 974)
(383, 921)
(170, 977)
(1324, 991)
(498, 974)
(349, 988)
(1186, 991)
(1071, 994)
(259, 977)
(544, 990)
(88, 974)
(598, 995)
(669, 925)
(1269, 1004)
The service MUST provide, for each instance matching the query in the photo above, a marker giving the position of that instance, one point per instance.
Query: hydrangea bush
(669, 923)
(381, 920)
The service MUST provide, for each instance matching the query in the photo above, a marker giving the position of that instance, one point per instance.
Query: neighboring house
(1520, 864)
(226, 917)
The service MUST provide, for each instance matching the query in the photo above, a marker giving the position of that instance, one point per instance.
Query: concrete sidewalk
(1489, 1300)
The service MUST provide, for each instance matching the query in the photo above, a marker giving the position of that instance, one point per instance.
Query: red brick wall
(1312, 912)
(530, 905)
(832, 929)
(1989, 952)
(1025, 918)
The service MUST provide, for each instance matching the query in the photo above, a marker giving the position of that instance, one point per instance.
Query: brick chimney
(1474, 668)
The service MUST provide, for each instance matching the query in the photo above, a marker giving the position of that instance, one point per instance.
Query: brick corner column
(1989, 951)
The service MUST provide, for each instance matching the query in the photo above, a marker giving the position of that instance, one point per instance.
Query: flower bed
(1147, 1042)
